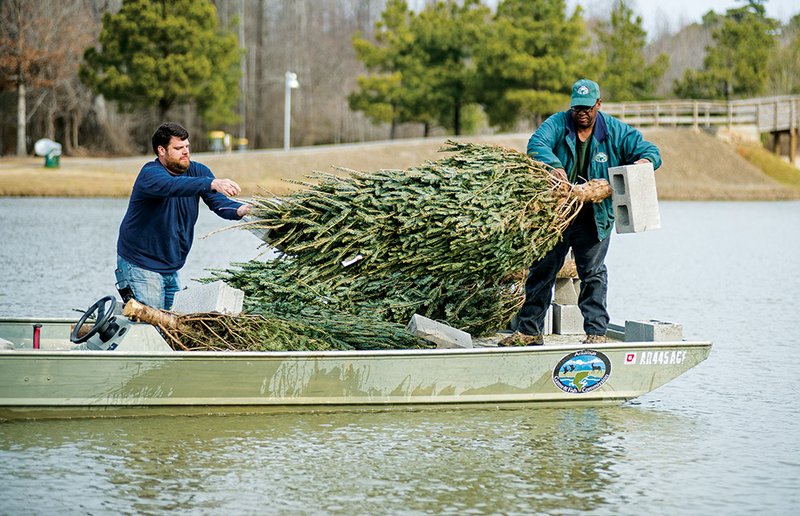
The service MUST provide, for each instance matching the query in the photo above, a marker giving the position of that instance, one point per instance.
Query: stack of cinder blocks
(565, 314)
(567, 317)
(635, 198)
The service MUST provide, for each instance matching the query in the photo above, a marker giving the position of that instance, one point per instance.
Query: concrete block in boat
(442, 335)
(652, 331)
(210, 297)
(567, 319)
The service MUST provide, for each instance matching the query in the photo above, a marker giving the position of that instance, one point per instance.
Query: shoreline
(697, 166)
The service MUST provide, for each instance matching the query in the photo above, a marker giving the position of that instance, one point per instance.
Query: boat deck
(615, 334)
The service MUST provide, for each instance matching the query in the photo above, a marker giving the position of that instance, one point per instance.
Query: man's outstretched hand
(243, 210)
(226, 186)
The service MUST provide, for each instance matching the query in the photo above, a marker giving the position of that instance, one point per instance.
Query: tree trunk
(163, 109)
(67, 134)
(243, 78)
(75, 123)
(457, 118)
(50, 122)
(258, 137)
(21, 112)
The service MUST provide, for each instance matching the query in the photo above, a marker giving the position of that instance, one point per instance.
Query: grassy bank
(697, 166)
(772, 165)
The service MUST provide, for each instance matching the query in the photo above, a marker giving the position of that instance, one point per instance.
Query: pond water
(720, 439)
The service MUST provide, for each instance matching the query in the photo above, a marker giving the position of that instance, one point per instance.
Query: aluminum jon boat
(43, 375)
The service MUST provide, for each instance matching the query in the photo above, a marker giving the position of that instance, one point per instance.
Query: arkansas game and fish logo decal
(582, 371)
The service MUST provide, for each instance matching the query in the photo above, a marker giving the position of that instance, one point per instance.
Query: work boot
(595, 339)
(521, 339)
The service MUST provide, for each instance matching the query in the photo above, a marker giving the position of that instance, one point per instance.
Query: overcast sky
(673, 14)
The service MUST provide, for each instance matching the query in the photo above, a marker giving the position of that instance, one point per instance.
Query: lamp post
(290, 82)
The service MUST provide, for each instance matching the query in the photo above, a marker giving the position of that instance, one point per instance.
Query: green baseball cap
(585, 93)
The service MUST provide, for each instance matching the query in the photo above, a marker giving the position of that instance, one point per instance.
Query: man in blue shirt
(157, 231)
(579, 145)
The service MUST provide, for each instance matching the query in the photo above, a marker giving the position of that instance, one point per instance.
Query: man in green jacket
(579, 145)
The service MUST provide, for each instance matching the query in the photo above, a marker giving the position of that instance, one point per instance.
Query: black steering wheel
(103, 323)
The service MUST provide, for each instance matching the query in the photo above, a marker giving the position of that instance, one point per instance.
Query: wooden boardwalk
(775, 115)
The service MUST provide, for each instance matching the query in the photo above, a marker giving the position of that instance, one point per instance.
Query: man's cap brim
(586, 102)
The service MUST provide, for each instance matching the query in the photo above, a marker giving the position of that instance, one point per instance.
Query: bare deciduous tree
(23, 56)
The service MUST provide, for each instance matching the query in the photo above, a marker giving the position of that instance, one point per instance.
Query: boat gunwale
(569, 347)
(616, 331)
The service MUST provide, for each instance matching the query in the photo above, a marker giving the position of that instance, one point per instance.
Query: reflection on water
(507, 461)
(719, 439)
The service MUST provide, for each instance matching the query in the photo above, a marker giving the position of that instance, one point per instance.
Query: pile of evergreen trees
(448, 239)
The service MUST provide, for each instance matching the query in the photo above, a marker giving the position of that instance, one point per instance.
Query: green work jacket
(613, 143)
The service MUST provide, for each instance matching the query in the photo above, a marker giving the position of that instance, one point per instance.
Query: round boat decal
(582, 371)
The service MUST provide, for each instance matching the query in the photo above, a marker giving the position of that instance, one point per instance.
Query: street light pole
(290, 82)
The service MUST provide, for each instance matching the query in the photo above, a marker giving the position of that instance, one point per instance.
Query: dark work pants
(590, 255)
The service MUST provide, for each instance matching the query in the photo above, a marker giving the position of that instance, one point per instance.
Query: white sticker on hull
(655, 357)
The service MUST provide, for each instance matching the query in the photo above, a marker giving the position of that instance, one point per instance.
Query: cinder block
(567, 319)
(566, 291)
(652, 331)
(442, 335)
(209, 297)
(634, 198)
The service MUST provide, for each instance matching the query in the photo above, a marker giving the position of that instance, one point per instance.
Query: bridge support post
(776, 142)
(793, 123)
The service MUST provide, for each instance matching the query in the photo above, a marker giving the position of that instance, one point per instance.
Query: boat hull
(61, 383)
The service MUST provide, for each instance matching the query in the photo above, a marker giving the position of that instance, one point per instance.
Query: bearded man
(157, 231)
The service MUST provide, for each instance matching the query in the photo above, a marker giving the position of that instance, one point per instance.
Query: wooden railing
(768, 114)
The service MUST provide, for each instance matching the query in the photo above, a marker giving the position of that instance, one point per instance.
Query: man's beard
(175, 166)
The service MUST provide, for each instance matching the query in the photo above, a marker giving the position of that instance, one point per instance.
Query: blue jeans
(590, 254)
(155, 289)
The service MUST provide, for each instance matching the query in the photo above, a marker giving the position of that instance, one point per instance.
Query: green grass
(771, 164)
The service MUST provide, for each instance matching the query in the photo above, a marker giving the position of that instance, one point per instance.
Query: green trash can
(52, 160)
(50, 150)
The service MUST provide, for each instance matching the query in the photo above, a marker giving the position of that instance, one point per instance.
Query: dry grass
(772, 165)
(697, 166)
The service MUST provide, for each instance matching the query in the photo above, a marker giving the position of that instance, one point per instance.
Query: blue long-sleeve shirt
(158, 229)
